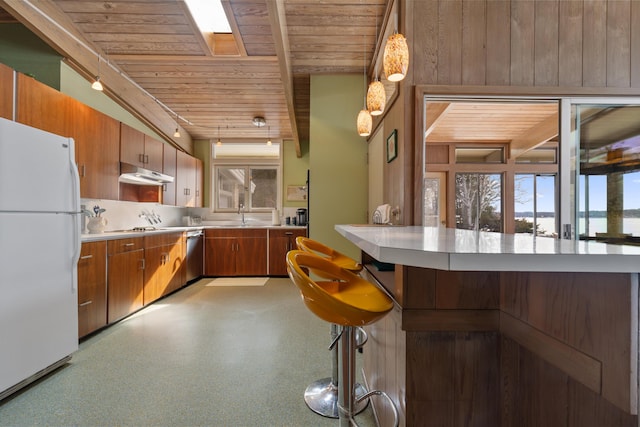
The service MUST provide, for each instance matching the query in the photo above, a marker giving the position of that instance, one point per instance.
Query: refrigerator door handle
(76, 215)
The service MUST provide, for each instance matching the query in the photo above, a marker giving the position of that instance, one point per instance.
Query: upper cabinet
(96, 135)
(139, 149)
(6, 92)
(169, 168)
(185, 180)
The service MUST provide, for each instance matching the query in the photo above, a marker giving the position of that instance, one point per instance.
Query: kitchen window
(245, 175)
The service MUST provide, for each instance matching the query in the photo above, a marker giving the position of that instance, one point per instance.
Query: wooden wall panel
(6, 92)
(546, 43)
(522, 43)
(635, 44)
(425, 55)
(526, 43)
(570, 43)
(535, 394)
(450, 42)
(594, 44)
(618, 43)
(474, 31)
(498, 42)
(452, 379)
(579, 309)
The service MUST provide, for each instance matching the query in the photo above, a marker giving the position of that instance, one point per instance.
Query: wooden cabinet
(164, 266)
(231, 252)
(281, 241)
(185, 180)
(6, 92)
(139, 149)
(92, 287)
(97, 153)
(199, 183)
(125, 277)
(169, 168)
(96, 135)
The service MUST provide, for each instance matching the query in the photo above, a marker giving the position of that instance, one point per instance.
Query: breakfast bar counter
(493, 329)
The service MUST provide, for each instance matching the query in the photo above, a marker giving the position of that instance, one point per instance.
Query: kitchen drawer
(162, 239)
(237, 233)
(125, 245)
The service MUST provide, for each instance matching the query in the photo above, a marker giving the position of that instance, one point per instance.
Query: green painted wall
(23, 51)
(338, 160)
(294, 171)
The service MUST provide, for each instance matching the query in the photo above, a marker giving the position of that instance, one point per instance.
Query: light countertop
(123, 234)
(466, 250)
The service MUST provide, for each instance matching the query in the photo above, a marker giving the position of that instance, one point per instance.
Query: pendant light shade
(96, 85)
(376, 98)
(396, 58)
(364, 123)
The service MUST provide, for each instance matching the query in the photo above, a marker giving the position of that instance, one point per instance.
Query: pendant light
(396, 56)
(219, 143)
(96, 85)
(269, 135)
(376, 95)
(176, 134)
(364, 122)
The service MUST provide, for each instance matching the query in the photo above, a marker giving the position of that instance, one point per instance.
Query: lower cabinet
(281, 241)
(164, 265)
(231, 252)
(92, 287)
(125, 277)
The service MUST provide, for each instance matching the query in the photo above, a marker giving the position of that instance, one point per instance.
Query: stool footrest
(396, 418)
(321, 397)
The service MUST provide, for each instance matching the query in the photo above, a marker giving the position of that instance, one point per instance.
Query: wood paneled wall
(565, 43)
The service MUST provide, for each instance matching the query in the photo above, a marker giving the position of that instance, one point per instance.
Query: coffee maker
(301, 216)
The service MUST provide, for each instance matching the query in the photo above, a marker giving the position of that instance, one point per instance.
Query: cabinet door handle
(288, 233)
(85, 303)
(197, 193)
(141, 158)
(84, 170)
(128, 244)
(142, 264)
(146, 158)
(86, 257)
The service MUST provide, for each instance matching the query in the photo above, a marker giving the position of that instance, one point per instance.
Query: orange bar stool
(321, 396)
(344, 299)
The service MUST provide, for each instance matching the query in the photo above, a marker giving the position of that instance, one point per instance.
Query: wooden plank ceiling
(213, 84)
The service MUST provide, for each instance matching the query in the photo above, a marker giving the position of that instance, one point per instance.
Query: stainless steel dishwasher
(195, 254)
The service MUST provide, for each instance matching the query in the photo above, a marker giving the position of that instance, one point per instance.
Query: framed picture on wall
(392, 145)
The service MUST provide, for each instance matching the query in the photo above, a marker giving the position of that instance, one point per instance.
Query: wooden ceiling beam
(535, 136)
(277, 19)
(47, 21)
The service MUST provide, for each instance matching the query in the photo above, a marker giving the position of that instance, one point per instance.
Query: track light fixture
(96, 85)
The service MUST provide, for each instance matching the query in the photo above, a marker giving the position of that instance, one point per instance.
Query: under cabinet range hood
(132, 174)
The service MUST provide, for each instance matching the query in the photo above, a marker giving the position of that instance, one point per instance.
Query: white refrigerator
(39, 249)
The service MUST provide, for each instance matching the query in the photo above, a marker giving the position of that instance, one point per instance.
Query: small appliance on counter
(301, 217)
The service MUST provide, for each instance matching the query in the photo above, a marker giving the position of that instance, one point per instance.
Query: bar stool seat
(344, 299)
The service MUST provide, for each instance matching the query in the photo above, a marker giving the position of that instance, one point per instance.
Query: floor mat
(238, 281)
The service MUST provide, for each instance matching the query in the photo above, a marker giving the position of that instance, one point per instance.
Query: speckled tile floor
(204, 356)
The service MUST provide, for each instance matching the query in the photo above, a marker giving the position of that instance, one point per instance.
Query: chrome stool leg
(347, 397)
(321, 396)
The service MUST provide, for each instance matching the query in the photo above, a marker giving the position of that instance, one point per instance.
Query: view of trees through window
(479, 201)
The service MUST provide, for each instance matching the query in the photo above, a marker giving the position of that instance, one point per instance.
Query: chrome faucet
(241, 211)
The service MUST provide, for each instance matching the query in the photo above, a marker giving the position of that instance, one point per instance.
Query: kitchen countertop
(123, 234)
(468, 250)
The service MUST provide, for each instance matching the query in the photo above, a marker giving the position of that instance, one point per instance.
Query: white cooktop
(467, 250)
